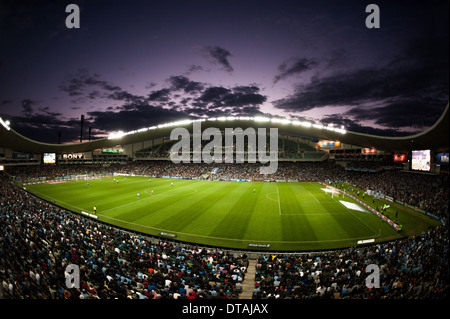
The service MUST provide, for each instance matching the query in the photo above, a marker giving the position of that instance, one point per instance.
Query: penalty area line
(279, 203)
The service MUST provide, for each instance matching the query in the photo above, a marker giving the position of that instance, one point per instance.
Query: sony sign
(70, 156)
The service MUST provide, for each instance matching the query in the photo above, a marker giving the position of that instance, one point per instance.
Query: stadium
(224, 157)
(123, 211)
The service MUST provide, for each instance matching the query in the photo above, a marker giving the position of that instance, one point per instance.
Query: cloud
(44, 127)
(340, 89)
(77, 84)
(240, 96)
(397, 93)
(162, 95)
(180, 98)
(137, 116)
(356, 126)
(219, 56)
(125, 96)
(408, 113)
(4, 102)
(337, 59)
(294, 67)
(183, 83)
(27, 106)
(194, 68)
(47, 111)
(214, 94)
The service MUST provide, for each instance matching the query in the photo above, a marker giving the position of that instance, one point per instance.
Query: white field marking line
(233, 239)
(164, 193)
(337, 194)
(351, 213)
(55, 200)
(317, 214)
(279, 203)
(313, 196)
(240, 240)
(267, 195)
(143, 198)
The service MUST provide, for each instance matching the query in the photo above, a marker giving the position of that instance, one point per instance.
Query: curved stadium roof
(435, 138)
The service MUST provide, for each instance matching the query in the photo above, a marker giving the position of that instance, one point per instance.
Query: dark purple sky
(134, 64)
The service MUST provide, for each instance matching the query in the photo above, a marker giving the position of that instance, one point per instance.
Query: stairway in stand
(249, 281)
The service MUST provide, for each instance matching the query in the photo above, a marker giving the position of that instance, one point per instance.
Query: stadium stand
(412, 268)
(38, 240)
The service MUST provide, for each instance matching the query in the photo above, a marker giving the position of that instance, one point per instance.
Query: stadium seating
(38, 240)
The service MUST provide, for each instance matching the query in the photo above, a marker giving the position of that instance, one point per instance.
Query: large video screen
(399, 158)
(442, 159)
(421, 160)
(49, 158)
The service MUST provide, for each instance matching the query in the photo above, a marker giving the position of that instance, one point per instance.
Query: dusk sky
(134, 64)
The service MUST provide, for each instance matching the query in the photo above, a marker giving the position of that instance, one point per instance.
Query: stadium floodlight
(340, 130)
(222, 118)
(305, 124)
(244, 118)
(115, 135)
(261, 119)
(318, 126)
(6, 124)
(282, 121)
(212, 119)
(302, 123)
(231, 118)
(182, 122)
(152, 127)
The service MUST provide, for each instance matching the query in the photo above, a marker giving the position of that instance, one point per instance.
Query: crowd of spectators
(412, 268)
(38, 241)
(287, 149)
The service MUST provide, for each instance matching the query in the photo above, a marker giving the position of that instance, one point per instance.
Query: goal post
(331, 190)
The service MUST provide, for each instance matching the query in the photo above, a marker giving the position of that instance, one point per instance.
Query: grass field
(288, 216)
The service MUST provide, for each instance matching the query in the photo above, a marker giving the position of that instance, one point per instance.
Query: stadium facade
(421, 272)
(16, 149)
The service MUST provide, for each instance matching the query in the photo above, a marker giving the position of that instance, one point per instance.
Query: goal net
(331, 190)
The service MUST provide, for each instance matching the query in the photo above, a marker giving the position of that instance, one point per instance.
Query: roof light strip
(119, 134)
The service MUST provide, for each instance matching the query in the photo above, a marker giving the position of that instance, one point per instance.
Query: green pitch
(286, 216)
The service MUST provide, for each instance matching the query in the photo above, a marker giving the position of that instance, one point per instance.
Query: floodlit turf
(287, 216)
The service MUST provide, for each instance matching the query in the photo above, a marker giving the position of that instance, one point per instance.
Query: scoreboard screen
(399, 158)
(49, 158)
(421, 160)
